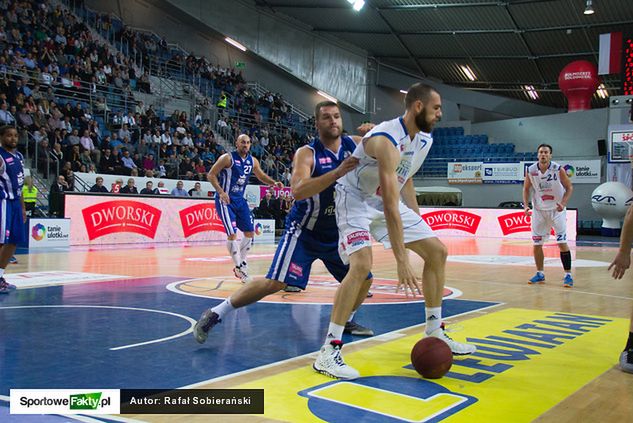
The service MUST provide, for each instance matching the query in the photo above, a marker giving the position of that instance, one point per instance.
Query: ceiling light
(403, 91)
(589, 8)
(329, 97)
(531, 91)
(358, 4)
(235, 43)
(602, 91)
(468, 72)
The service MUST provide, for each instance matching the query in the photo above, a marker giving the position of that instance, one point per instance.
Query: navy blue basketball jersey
(11, 174)
(317, 212)
(234, 179)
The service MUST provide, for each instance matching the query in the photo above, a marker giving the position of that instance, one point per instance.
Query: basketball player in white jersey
(620, 264)
(551, 189)
(378, 198)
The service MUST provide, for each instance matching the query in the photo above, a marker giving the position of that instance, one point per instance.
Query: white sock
(245, 247)
(234, 251)
(334, 333)
(540, 273)
(223, 308)
(1, 273)
(566, 274)
(351, 316)
(433, 318)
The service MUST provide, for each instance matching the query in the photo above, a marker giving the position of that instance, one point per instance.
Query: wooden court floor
(485, 270)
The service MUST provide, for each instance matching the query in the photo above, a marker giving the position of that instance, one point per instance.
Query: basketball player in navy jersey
(620, 264)
(229, 176)
(12, 211)
(311, 232)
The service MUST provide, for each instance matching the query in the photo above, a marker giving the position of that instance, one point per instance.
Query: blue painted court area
(134, 333)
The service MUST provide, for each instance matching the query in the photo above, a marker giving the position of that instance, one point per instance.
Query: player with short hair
(12, 210)
(229, 176)
(378, 198)
(311, 231)
(551, 189)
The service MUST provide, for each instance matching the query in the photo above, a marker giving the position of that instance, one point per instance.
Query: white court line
(558, 288)
(173, 287)
(289, 360)
(154, 341)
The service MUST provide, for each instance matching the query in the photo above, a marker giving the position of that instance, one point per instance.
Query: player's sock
(629, 343)
(565, 258)
(234, 251)
(223, 308)
(351, 316)
(1, 273)
(334, 333)
(245, 247)
(433, 318)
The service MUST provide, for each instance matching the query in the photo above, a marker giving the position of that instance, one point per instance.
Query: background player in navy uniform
(12, 211)
(311, 232)
(229, 176)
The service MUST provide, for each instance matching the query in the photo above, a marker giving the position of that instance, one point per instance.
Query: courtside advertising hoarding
(46, 233)
(579, 172)
(490, 223)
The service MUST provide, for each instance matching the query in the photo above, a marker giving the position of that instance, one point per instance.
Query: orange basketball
(431, 357)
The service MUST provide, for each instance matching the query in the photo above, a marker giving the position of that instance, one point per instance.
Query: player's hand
(407, 280)
(224, 197)
(527, 211)
(23, 215)
(364, 128)
(559, 207)
(278, 184)
(621, 262)
(347, 165)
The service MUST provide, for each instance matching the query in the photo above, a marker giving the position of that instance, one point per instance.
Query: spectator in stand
(130, 188)
(128, 162)
(86, 160)
(108, 162)
(196, 191)
(116, 186)
(179, 191)
(55, 196)
(161, 188)
(6, 117)
(98, 186)
(201, 170)
(149, 189)
(149, 163)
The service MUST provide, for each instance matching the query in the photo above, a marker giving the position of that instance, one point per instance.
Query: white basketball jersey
(365, 178)
(548, 190)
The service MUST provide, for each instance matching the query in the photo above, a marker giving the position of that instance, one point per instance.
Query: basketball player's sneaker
(355, 329)
(290, 288)
(568, 281)
(241, 272)
(456, 347)
(626, 361)
(330, 362)
(206, 322)
(6, 287)
(539, 278)
(13, 260)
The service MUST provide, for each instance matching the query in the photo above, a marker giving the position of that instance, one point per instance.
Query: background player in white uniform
(551, 189)
(368, 200)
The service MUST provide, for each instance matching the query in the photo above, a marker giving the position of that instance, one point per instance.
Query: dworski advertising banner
(124, 220)
(493, 223)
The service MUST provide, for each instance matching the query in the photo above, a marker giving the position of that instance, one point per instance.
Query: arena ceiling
(507, 44)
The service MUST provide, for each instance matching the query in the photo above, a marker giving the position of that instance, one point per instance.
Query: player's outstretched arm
(622, 260)
(222, 163)
(527, 185)
(388, 159)
(262, 176)
(409, 197)
(304, 185)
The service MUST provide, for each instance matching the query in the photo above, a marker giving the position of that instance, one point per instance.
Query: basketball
(431, 357)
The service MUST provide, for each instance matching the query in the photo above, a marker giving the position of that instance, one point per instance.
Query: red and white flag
(610, 58)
